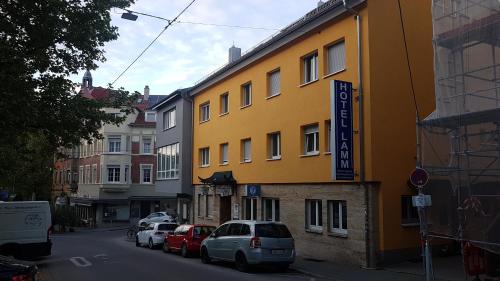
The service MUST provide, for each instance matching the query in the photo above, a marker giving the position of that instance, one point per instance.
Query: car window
(234, 229)
(203, 230)
(272, 230)
(167, 226)
(222, 230)
(245, 229)
(178, 230)
(150, 226)
(149, 216)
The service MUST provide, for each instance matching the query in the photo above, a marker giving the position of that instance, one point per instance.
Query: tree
(41, 44)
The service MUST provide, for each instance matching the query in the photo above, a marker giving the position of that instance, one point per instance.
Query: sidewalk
(324, 270)
(101, 227)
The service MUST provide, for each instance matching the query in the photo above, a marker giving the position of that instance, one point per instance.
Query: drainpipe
(188, 98)
(369, 245)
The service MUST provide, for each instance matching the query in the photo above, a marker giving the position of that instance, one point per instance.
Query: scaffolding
(461, 138)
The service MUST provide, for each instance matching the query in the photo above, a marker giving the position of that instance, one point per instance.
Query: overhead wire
(152, 42)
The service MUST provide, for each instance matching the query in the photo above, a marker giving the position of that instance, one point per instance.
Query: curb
(305, 272)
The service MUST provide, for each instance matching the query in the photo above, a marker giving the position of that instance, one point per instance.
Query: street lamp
(129, 16)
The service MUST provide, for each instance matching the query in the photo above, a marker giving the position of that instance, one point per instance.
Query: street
(108, 256)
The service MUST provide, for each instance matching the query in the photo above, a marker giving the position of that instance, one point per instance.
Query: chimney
(146, 92)
(234, 54)
(320, 3)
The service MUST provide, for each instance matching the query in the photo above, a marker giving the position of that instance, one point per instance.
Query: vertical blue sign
(341, 140)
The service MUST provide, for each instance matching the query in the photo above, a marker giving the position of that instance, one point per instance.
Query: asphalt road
(108, 256)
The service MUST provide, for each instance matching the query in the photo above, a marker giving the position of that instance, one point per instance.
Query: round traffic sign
(419, 177)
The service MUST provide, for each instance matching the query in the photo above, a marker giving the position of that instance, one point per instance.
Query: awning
(220, 178)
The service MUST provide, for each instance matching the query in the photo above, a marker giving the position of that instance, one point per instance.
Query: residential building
(263, 131)
(113, 177)
(173, 150)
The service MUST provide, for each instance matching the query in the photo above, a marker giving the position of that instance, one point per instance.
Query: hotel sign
(341, 140)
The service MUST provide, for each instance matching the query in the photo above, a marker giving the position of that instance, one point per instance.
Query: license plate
(277, 252)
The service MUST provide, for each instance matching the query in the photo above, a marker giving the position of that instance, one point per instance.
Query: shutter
(336, 57)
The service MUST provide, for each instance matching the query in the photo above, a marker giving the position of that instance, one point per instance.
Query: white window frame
(94, 173)
(276, 75)
(169, 117)
(275, 205)
(145, 167)
(168, 162)
(205, 112)
(224, 103)
(143, 139)
(87, 179)
(314, 131)
(310, 66)
(114, 173)
(224, 153)
(149, 113)
(335, 54)
(114, 139)
(253, 208)
(333, 207)
(318, 209)
(246, 150)
(204, 156)
(272, 138)
(246, 94)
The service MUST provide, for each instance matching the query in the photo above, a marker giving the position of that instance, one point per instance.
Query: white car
(156, 217)
(154, 234)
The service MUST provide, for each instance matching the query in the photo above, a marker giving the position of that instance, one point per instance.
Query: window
(250, 208)
(68, 176)
(150, 116)
(224, 103)
(409, 214)
(87, 174)
(81, 175)
(147, 145)
(246, 94)
(222, 230)
(337, 213)
(336, 57)
(204, 157)
(328, 135)
(246, 150)
(113, 173)
(209, 205)
(273, 80)
(224, 157)
(115, 114)
(274, 145)
(169, 119)
(168, 162)
(114, 143)
(310, 65)
(234, 229)
(198, 205)
(311, 140)
(146, 172)
(126, 177)
(314, 219)
(94, 173)
(271, 209)
(205, 112)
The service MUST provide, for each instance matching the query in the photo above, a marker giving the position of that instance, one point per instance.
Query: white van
(24, 228)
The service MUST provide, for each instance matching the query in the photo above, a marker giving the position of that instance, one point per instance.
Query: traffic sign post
(419, 178)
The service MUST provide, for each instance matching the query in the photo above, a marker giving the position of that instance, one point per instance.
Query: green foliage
(41, 44)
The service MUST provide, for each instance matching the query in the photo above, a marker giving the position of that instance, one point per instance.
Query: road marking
(80, 261)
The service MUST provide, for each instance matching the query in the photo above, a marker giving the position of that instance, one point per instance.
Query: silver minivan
(250, 243)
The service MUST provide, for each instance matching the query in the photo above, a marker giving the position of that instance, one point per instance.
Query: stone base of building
(327, 221)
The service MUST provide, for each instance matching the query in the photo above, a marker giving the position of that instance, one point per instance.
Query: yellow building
(261, 135)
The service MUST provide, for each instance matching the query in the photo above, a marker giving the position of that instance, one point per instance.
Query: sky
(186, 53)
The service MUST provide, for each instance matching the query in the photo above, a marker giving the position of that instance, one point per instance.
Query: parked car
(187, 238)
(250, 243)
(11, 269)
(154, 234)
(25, 229)
(156, 217)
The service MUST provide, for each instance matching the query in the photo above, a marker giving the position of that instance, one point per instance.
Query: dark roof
(170, 98)
(315, 18)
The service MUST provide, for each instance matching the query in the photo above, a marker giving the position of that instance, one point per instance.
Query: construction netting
(461, 138)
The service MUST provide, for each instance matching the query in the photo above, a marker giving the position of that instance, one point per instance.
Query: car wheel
(166, 248)
(184, 251)
(150, 243)
(205, 258)
(241, 262)
(137, 244)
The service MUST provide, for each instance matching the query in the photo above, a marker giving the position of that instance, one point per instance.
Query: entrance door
(145, 208)
(225, 209)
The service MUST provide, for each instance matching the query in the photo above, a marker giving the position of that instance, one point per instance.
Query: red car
(187, 239)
